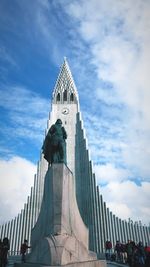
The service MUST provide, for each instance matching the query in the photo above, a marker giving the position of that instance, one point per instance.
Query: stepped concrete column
(60, 236)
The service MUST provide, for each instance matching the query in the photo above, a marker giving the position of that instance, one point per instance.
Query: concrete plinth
(60, 236)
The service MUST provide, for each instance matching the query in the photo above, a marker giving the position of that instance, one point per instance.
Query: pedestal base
(59, 250)
(60, 237)
(96, 263)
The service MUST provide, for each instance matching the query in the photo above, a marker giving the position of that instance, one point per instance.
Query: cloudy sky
(106, 43)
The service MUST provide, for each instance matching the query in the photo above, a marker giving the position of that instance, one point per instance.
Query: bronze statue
(54, 147)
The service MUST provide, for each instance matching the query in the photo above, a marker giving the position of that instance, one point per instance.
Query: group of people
(4, 248)
(135, 255)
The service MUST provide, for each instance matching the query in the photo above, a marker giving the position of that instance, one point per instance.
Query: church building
(102, 223)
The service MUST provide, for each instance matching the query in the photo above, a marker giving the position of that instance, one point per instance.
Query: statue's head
(59, 121)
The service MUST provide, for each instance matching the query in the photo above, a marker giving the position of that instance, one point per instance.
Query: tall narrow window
(71, 97)
(65, 95)
(58, 97)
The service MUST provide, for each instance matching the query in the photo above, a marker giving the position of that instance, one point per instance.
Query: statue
(54, 146)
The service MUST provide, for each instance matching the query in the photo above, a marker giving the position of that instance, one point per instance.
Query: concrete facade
(100, 221)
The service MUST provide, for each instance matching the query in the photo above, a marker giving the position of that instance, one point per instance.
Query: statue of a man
(54, 147)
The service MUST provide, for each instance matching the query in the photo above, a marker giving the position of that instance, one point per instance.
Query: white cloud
(5, 56)
(117, 34)
(106, 138)
(17, 176)
(120, 47)
(47, 26)
(108, 173)
(127, 199)
(121, 210)
(22, 100)
(27, 112)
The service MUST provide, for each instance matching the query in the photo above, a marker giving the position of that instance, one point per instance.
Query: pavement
(13, 259)
(117, 264)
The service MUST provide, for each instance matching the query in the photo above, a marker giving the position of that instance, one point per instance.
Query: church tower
(101, 222)
(65, 106)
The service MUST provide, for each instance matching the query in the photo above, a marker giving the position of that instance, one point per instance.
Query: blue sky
(107, 47)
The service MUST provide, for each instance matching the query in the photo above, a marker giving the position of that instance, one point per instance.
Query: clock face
(65, 111)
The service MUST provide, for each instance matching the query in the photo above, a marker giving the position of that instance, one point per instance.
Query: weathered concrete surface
(59, 212)
(60, 237)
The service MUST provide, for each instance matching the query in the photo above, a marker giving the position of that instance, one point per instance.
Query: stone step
(13, 259)
(95, 263)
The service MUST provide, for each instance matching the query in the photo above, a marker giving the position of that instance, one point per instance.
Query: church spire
(65, 91)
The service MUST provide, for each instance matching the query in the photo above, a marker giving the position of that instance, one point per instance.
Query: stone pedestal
(60, 237)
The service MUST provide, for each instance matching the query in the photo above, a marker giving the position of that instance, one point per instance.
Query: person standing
(1, 245)
(129, 249)
(118, 251)
(141, 254)
(108, 247)
(23, 250)
(4, 247)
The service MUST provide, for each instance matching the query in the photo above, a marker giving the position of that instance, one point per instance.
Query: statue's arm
(64, 133)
